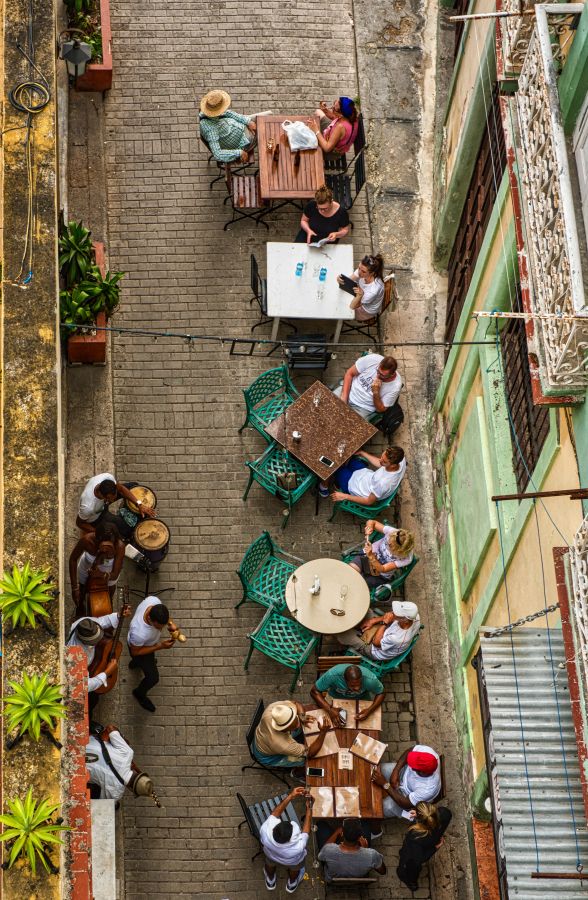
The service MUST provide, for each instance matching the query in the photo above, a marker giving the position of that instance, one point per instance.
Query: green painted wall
(573, 83)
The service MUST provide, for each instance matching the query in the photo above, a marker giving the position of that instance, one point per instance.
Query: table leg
(275, 327)
(338, 328)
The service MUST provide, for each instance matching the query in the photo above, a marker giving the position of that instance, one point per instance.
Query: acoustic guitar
(110, 648)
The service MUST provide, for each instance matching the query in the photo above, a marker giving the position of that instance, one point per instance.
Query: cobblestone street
(177, 409)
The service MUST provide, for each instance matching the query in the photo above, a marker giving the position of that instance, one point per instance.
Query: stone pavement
(177, 409)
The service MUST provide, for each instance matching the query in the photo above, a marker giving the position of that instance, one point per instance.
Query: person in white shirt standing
(356, 481)
(371, 385)
(285, 844)
(144, 640)
(415, 777)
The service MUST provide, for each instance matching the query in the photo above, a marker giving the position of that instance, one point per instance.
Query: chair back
(251, 823)
(443, 791)
(255, 555)
(389, 292)
(255, 278)
(308, 351)
(266, 384)
(250, 733)
(324, 663)
(359, 142)
(349, 882)
(359, 174)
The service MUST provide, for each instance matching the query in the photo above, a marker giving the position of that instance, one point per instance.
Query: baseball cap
(422, 762)
(404, 609)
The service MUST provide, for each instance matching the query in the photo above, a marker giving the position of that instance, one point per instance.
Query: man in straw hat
(379, 560)
(87, 633)
(387, 636)
(275, 742)
(109, 760)
(229, 135)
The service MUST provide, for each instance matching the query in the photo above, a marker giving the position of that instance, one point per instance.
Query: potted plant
(24, 594)
(31, 832)
(89, 295)
(92, 18)
(32, 708)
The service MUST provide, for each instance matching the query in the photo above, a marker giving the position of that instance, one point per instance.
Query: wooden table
(370, 795)
(305, 296)
(314, 610)
(330, 429)
(279, 181)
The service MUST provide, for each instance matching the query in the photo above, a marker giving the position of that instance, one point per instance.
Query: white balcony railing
(516, 33)
(557, 288)
(579, 604)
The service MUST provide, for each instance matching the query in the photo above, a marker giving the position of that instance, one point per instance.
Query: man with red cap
(415, 777)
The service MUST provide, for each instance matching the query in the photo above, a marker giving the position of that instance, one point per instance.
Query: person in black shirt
(323, 218)
(422, 841)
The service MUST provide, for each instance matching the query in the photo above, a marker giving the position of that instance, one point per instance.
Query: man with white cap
(275, 742)
(387, 636)
(414, 778)
(229, 136)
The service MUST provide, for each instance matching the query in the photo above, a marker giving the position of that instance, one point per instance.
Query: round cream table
(342, 601)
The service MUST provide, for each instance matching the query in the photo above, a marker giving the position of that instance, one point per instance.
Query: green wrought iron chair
(363, 512)
(272, 468)
(385, 666)
(384, 592)
(283, 640)
(267, 398)
(264, 572)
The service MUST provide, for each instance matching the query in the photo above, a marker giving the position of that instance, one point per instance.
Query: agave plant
(103, 293)
(31, 828)
(75, 308)
(75, 252)
(23, 595)
(33, 704)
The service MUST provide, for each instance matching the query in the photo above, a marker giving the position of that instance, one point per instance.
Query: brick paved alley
(176, 414)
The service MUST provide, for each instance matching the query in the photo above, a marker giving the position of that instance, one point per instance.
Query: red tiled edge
(539, 398)
(571, 668)
(78, 841)
(486, 860)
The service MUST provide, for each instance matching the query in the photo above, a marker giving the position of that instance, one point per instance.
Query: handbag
(287, 481)
(391, 420)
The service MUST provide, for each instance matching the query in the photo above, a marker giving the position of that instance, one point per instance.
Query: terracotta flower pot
(98, 76)
(91, 347)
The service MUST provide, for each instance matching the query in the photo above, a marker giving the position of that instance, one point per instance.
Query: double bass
(110, 648)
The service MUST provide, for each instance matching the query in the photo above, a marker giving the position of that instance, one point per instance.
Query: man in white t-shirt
(385, 636)
(371, 385)
(99, 492)
(285, 843)
(356, 481)
(415, 777)
(144, 639)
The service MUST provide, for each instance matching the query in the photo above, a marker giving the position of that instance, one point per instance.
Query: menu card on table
(335, 803)
(324, 802)
(368, 748)
(346, 801)
(314, 720)
(353, 707)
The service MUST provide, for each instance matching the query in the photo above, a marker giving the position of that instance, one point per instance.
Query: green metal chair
(363, 512)
(267, 398)
(385, 666)
(394, 584)
(264, 572)
(284, 640)
(267, 469)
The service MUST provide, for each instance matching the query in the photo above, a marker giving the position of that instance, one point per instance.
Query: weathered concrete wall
(30, 408)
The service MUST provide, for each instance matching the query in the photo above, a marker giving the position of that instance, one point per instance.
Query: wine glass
(343, 591)
(341, 448)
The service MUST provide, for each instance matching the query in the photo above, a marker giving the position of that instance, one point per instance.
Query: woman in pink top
(338, 126)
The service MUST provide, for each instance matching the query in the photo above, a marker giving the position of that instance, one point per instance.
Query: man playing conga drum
(99, 492)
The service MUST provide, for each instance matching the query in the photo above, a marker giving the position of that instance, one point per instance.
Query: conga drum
(151, 537)
(128, 513)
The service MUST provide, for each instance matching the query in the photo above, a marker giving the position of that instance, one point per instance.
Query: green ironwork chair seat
(264, 572)
(382, 667)
(283, 640)
(267, 398)
(363, 512)
(268, 469)
(394, 584)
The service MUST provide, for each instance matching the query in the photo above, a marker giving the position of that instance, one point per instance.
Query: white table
(314, 611)
(304, 296)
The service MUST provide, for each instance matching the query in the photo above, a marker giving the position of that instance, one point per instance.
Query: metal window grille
(479, 202)
(529, 422)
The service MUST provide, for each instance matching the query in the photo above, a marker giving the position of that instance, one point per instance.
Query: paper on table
(346, 801)
(345, 760)
(368, 748)
(374, 720)
(351, 707)
(330, 745)
(319, 716)
(324, 805)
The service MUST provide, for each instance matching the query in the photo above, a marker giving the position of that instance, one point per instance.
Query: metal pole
(561, 875)
(572, 493)
(492, 15)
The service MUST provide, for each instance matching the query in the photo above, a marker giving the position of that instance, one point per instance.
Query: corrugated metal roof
(539, 696)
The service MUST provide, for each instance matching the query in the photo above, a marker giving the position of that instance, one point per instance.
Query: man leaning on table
(372, 384)
(415, 777)
(345, 682)
(279, 740)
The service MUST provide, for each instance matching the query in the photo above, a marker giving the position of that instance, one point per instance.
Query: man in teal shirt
(348, 683)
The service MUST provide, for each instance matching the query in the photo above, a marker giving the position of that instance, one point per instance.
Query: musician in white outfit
(98, 554)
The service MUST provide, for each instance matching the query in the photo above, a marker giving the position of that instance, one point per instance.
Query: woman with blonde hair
(423, 839)
(379, 560)
(323, 219)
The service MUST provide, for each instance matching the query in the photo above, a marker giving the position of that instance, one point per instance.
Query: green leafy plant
(75, 309)
(23, 595)
(103, 293)
(33, 703)
(92, 34)
(77, 7)
(75, 252)
(31, 829)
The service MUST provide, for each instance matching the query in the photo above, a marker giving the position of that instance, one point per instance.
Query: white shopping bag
(300, 137)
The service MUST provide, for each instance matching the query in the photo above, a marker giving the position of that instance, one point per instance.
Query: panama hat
(404, 609)
(283, 715)
(89, 632)
(215, 103)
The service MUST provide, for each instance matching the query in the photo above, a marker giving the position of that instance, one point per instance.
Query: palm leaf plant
(33, 703)
(75, 252)
(30, 827)
(24, 594)
(103, 292)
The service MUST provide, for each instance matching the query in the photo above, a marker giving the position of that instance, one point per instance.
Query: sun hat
(283, 714)
(404, 609)
(215, 103)
(89, 632)
(422, 762)
(140, 784)
(401, 542)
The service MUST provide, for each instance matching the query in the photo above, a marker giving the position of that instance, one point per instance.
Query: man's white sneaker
(292, 885)
(270, 883)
